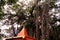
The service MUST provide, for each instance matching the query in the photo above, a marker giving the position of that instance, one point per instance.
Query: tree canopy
(40, 17)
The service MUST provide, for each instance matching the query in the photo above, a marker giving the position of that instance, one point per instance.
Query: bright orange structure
(24, 34)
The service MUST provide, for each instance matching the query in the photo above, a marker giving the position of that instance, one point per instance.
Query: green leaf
(2, 2)
(1, 15)
(15, 6)
(11, 1)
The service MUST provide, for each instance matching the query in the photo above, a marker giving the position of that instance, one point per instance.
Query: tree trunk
(45, 22)
(37, 27)
(36, 19)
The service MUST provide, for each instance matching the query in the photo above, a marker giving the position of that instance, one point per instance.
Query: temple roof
(23, 33)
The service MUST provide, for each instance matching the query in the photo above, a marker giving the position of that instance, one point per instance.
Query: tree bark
(45, 22)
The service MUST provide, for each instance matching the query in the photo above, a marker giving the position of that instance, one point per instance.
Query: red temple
(23, 35)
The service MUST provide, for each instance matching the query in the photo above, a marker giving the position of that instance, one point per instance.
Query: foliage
(2, 2)
(1, 15)
(11, 1)
(27, 16)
